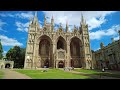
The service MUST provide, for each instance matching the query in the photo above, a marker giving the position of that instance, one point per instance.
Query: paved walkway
(10, 74)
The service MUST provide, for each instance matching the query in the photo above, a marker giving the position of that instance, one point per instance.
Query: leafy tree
(22, 56)
(1, 50)
(17, 55)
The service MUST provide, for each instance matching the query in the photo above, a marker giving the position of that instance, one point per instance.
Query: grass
(87, 71)
(1, 74)
(52, 74)
(98, 72)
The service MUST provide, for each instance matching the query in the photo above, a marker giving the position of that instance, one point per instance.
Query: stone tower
(57, 49)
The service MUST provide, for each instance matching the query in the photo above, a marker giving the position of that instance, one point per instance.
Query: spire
(35, 20)
(44, 20)
(35, 13)
(66, 26)
(52, 16)
(82, 18)
(52, 21)
(66, 23)
(52, 24)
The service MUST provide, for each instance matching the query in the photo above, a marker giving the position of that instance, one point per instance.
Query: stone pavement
(10, 74)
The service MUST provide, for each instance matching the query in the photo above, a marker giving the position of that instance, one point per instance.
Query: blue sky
(103, 25)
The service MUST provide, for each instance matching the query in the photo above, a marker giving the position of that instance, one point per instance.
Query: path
(10, 74)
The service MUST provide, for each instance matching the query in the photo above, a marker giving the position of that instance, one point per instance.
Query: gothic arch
(46, 37)
(75, 44)
(75, 37)
(45, 49)
(61, 43)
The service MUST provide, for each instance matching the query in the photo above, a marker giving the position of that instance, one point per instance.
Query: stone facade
(107, 56)
(6, 64)
(57, 49)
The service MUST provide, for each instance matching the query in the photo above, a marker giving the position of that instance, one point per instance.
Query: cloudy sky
(103, 25)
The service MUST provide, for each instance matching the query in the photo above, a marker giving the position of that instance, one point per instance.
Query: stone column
(53, 53)
(56, 62)
(68, 59)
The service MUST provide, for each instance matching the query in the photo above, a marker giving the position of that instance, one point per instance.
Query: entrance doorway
(47, 64)
(7, 65)
(61, 64)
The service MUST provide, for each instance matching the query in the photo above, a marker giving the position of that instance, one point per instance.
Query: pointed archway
(45, 49)
(61, 43)
(75, 44)
(60, 64)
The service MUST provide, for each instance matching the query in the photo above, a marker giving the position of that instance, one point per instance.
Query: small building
(6, 64)
(108, 56)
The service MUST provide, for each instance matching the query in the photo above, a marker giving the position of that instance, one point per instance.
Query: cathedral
(57, 48)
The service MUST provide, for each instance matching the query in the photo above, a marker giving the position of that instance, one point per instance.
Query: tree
(1, 50)
(17, 55)
(22, 57)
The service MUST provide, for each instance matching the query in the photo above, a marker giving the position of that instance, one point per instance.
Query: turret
(52, 24)
(82, 19)
(101, 45)
(112, 39)
(35, 20)
(66, 26)
(52, 21)
(45, 20)
(86, 43)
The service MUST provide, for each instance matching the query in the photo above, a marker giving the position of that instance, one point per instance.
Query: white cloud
(6, 41)
(93, 22)
(1, 26)
(116, 38)
(93, 18)
(22, 26)
(100, 33)
(6, 15)
(2, 23)
(24, 15)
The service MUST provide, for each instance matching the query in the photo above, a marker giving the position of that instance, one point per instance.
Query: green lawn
(1, 74)
(52, 74)
(98, 72)
(87, 71)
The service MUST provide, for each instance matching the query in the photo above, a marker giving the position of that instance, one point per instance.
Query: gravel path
(10, 74)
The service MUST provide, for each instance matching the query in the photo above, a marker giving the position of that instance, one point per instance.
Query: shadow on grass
(98, 72)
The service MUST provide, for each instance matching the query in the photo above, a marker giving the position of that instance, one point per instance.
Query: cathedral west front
(57, 49)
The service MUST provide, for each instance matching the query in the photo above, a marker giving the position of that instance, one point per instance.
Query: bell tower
(87, 63)
(30, 46)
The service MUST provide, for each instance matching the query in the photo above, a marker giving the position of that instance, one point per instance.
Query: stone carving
(61, 55)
